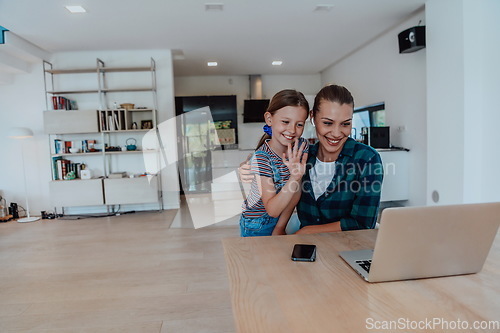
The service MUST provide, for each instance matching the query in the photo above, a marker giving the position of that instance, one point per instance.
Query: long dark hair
(333, 93)
(283, 98)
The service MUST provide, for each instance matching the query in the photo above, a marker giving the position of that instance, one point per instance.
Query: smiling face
(287, 125)
(333, 123)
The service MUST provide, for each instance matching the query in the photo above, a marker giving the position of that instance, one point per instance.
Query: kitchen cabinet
(395, 186)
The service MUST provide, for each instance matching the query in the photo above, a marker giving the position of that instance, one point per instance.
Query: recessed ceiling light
(212, 64)
(76, 9)
(323, 8)
(277, 63)
(214, 7)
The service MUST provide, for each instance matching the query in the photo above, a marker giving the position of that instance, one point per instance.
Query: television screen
(254, 109)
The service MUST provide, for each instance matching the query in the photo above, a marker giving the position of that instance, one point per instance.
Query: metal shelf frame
(102, 92)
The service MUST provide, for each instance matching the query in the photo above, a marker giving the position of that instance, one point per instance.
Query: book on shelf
(90, 145)
(64, 168)
(123, 126)
(78, 170)
(115, 119)
(67, 146)
(112, 120)
(55, 167)
(62, 103)
(117, 175)
(111, 123)
(58, 147)
(75, 167)
(103, 121)
(61, 167)
(85, 146)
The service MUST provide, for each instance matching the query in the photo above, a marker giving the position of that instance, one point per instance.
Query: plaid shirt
(352, 197)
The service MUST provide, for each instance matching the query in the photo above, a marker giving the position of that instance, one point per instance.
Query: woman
(343, 178)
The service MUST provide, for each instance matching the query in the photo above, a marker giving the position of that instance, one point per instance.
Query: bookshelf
(126, 120)
(97, 138)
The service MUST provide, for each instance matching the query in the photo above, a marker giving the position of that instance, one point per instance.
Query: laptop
(432, 241)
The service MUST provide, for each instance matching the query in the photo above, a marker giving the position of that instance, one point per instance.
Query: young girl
(278, 163)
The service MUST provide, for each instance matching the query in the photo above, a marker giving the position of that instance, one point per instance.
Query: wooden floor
(130, 273)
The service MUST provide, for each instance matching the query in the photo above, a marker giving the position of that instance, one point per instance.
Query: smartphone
(304, 252)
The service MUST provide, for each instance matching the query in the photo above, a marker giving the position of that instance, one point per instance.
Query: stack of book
(117, 175)
(62, 103)
(61, 167)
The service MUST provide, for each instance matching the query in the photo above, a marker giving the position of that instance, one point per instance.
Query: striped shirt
(267, 163)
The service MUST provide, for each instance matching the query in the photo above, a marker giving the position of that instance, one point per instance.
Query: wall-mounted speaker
(412, 39)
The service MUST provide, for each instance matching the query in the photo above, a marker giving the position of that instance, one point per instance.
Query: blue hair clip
(268, 130)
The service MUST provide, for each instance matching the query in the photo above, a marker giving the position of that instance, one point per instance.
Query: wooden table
(271, 293)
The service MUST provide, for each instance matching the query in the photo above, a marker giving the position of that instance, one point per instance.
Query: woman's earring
(312, 123)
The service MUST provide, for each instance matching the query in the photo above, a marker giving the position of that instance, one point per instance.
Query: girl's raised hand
(295, 159)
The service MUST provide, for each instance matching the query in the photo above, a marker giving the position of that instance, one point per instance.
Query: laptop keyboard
(365, 264)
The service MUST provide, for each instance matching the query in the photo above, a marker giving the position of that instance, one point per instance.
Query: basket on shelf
(127, 106)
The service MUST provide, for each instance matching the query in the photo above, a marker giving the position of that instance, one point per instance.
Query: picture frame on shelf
(146, 124)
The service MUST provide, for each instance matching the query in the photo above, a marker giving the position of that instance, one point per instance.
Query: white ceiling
(243, 38)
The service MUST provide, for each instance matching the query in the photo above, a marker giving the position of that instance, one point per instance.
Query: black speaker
(412, 39)
(13, 210)
(379, 137)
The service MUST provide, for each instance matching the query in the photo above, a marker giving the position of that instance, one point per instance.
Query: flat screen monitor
(254, 109)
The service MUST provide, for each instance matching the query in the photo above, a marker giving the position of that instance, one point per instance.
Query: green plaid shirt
(352, 197)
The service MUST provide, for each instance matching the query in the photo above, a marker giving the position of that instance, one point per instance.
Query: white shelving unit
(108, 129)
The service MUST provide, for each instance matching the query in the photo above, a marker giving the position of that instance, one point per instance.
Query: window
(367, 116)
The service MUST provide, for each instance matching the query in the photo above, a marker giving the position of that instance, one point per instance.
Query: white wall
(248, 133)
(463, 84)
(22, 104)
(378, 73)
(445, 104)
(490, 83)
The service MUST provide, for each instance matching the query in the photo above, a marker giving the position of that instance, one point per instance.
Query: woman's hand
(244, 171)
(295, 159)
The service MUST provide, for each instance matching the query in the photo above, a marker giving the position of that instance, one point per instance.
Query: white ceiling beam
(6, 78)
(23, 49)
(11, 64)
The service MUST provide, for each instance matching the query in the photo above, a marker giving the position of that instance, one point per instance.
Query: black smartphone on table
(304, 252)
